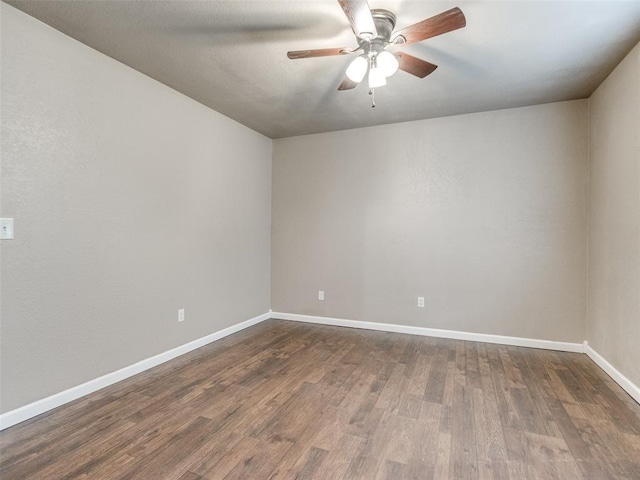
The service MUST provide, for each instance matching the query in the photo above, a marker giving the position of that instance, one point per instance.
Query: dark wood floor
(286, 400)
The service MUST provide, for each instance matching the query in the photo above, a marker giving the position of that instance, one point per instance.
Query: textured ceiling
(231, 55)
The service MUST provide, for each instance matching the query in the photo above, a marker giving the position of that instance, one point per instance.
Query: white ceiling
(231, 55)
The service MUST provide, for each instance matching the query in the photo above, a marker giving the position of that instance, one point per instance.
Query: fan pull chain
(373, 97)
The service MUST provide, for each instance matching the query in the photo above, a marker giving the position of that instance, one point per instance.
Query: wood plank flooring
(286, 400)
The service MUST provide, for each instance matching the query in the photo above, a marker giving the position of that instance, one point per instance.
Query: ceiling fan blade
(347, 84)
(323, 52)
(360, 18)
(434, 26)
(414, 66)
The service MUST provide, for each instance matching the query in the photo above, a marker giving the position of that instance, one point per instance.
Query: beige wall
(613, 326)
(130, 201)
(484, 215)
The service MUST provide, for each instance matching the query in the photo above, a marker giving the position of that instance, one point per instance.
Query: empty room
(319, 239)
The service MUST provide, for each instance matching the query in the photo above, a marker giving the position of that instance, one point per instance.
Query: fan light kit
(374, 33)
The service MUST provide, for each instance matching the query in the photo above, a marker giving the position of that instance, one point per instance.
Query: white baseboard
(618, 377)
(435, 332)
(38, 407)
(630, 387)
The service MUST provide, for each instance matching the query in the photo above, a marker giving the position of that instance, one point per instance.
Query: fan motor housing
(385, 22)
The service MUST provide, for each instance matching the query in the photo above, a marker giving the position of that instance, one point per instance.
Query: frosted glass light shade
(357, 69)
(387, 62)
(376, 78)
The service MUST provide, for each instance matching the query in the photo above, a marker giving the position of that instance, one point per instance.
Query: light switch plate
(6, 228)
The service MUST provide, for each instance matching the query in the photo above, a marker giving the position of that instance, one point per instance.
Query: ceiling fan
(374, 32)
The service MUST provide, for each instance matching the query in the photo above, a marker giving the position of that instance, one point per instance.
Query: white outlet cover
(420, 302)
(6, 228)
(181, 315)
(320, 294)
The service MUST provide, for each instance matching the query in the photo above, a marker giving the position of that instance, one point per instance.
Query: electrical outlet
(181, 315)
(420, 302)
(320, 294)
(6, 228)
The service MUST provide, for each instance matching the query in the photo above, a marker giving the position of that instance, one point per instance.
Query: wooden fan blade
(347, 84)
(323, 52)
(414, 66)
(434, 26)
(360, 18)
